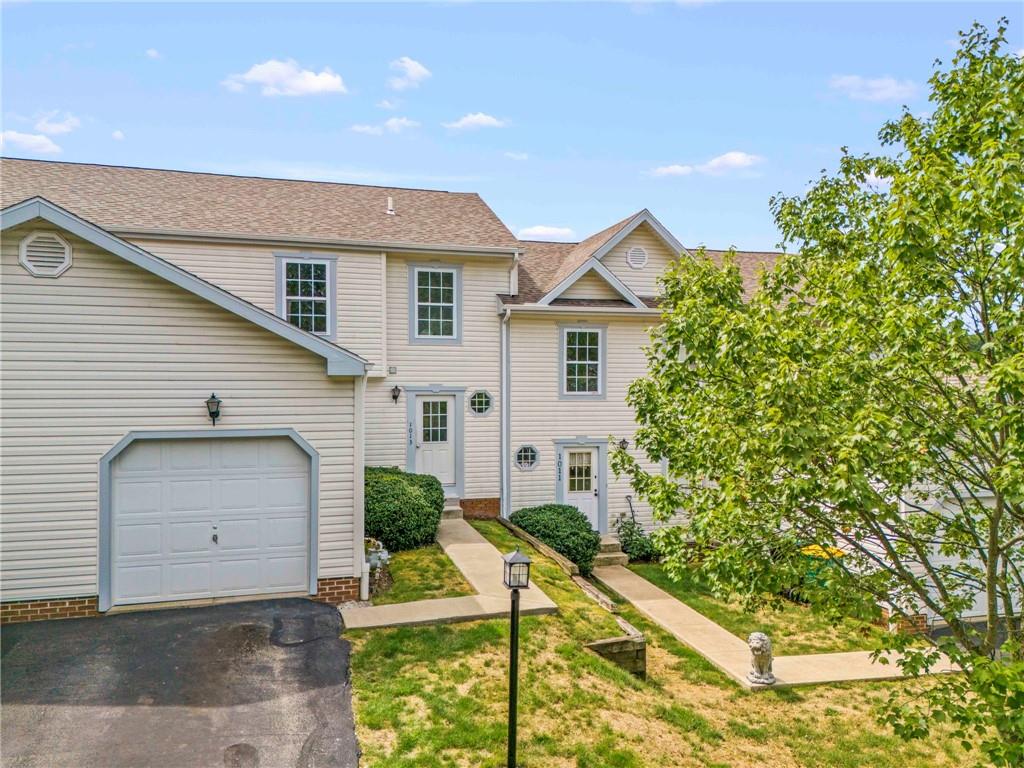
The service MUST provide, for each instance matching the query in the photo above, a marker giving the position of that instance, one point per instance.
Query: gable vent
(636, 257)
(45, 254)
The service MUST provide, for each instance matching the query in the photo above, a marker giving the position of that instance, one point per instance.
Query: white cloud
(410, 74)
(716, 166)
(1020, 53)
(117, 135)
(876, 183)
(286, 78)
(152, 53)
(391, 125)
(545, 232)
(873, 89)
(475, 120)
(387, 104)
(517, 156)
(49, 124)
(35, 143)
(673, 170)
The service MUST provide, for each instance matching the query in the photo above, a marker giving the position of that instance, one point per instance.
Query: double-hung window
(582, 369)
(306, 294)
(435, 304)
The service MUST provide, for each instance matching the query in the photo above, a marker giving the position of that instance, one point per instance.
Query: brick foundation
(916, 624)
(336, 591)
(17, 611)
(481, 509)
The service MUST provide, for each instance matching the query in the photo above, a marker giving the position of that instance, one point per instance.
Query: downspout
(506, 414)
(358, 502)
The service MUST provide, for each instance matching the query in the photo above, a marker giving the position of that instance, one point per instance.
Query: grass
(794, 629)
(422, 574)
(433, 697)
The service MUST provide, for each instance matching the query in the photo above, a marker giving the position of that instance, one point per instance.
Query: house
(330, 327)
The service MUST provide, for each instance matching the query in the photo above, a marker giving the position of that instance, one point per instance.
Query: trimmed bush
(402, 510)
(563, 528)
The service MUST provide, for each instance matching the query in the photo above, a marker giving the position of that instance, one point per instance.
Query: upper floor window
(306, 293)
(435, 305)
(582, 369)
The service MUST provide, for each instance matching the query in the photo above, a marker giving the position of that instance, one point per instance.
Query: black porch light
(623, 443)
(213, 407)
(396, 391)
(517, 576)
(517, 570)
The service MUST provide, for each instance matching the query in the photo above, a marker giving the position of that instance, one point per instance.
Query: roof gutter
(289, 240)
(548, 308)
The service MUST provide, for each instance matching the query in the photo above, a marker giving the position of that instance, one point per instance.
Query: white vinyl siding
(108, 349)
(474, 364)
(540, 416)
(591, 286)
(643, 282)
(250, 272)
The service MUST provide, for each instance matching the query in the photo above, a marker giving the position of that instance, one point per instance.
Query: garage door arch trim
(106, 560)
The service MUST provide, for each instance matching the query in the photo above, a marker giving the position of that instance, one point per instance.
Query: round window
(526, 457)
(480, 402)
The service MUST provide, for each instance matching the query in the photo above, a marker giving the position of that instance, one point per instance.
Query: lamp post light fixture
(396, 391)
(213, 407)
(517, 576)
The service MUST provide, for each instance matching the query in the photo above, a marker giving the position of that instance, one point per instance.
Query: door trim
(458, 425)
(582, 441)
(106, 561)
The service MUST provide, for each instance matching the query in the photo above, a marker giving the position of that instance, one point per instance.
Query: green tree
(869, 396)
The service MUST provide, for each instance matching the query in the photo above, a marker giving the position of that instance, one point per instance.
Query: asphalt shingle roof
(133, 199)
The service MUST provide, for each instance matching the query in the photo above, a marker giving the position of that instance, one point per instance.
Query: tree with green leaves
(866, 400)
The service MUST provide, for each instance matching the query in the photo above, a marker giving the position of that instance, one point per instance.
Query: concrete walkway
(730, 653)
(481, 564)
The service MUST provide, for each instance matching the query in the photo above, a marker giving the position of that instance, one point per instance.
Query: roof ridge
(233, 175)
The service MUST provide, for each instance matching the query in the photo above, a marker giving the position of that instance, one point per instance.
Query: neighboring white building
(339, 325)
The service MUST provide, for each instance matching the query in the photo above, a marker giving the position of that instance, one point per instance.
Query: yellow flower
(825, 553)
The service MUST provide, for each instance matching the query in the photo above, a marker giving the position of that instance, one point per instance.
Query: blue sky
(564, 116)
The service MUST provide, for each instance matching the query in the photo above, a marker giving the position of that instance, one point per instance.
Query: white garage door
(209, 518)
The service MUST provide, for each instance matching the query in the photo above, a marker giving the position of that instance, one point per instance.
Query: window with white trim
(435, 303)
(480, 402)
(307, 295)
(526, 457)
(581, 361)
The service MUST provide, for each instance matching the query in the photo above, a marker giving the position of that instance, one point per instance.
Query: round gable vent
(45, 254)
(636, 257)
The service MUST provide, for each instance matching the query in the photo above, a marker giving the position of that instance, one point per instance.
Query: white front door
(435, 437)
(580, 481)
(209, 518)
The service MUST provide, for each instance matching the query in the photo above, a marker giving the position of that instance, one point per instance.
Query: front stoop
(452, 509)
(610, 553)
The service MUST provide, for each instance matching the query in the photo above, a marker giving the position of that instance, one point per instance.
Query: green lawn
(433, 697)
(422, 574)
(794, 629)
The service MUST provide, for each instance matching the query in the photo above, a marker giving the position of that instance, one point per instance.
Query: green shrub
(563, 528)
(402, 510)
(634, 540)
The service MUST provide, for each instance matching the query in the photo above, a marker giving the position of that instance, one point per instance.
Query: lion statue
(760, 659)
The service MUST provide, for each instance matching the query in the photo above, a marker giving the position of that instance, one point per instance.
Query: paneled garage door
(199, 518)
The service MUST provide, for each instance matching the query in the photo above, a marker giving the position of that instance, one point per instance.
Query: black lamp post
(517, 576)
(213, 408)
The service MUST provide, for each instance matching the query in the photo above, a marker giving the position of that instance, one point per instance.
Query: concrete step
(610, 558)
(452, 510)
(610, 544)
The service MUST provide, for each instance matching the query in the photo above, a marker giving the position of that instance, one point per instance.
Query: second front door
(435, 437)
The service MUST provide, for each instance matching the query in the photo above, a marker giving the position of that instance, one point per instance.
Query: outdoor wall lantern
(623, 443)
(213, 408)
(517, 576)
(395, 392)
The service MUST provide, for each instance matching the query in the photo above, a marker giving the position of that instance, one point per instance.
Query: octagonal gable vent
(45, 254)
(636, 257)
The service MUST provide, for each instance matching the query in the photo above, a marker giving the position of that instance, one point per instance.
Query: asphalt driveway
(244, 685)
